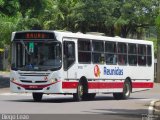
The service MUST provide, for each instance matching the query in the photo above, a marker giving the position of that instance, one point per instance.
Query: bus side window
(149, 55)
(142, 55)
(111, 53)
(98, 52)
(68, 54)
(132, 54)
(122, 53)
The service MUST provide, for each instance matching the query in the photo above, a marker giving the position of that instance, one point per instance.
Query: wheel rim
(80, 90)
(127, 90)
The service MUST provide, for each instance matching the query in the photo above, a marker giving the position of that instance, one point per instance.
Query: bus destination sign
(34, 35)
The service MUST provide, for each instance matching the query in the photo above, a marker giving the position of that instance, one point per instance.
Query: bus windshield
(40, 56)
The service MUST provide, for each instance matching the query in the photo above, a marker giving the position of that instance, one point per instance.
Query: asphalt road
(104, 104)
(61, 106)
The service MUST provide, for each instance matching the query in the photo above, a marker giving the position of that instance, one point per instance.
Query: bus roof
(60, 34)
(99, 37)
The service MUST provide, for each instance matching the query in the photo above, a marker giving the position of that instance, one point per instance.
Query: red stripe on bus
(142, 85)
(106, 85)
(93, 85)
(69, 85)
(103, 85)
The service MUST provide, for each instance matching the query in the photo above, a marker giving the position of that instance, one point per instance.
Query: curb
(154, 108)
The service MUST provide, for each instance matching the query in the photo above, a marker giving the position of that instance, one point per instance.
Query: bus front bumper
(54, 87)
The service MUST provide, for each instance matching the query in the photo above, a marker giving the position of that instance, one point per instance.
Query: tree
(124, 18)
(9, 7)
(53, 17)
(8, 20)
(135, 16)
(7, 25)
(31, 11)
(32, 8)
(86, 15)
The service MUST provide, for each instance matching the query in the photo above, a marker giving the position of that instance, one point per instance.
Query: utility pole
(158, 56)
(158, 45)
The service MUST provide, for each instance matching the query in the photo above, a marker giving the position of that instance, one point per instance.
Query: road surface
(102, 107)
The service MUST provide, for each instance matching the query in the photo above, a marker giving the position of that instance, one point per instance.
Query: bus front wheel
(37, 97)
(80, 93)
(126, 92)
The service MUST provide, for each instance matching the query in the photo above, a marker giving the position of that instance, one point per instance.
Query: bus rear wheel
(126, 92)
(37, 97)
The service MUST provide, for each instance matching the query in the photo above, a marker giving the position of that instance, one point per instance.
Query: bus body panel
(29, 81)
(102, 78)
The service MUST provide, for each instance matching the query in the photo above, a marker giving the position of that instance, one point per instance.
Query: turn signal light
(13, 79)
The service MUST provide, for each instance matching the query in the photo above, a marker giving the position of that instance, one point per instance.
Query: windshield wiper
(22, 42)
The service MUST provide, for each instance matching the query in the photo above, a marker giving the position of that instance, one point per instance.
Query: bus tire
(78, 96)
(126, 92)
(37, 97)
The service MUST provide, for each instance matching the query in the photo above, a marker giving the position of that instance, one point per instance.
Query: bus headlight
(53, 80)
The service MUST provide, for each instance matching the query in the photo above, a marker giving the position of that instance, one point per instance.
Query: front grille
(40, 81)
(29, 81)
(34, 74)
(26, 81)
(33, 88)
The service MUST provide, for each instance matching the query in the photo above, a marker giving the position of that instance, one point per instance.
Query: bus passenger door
(69, 59)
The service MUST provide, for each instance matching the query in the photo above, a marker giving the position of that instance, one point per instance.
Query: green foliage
(27, 24)
(9, 7)
(8, 20)
(52, 17)
(125, 18)
(154, 40)
(32, 8)
(92, 15)
(157, 21)
(135, 16)
(7, 26)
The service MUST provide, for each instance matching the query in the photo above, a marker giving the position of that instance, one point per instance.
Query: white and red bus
(52, 62)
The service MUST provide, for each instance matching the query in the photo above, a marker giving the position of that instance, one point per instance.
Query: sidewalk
(154, 108)
(4, 90)
(157, 107)
(4, 74)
